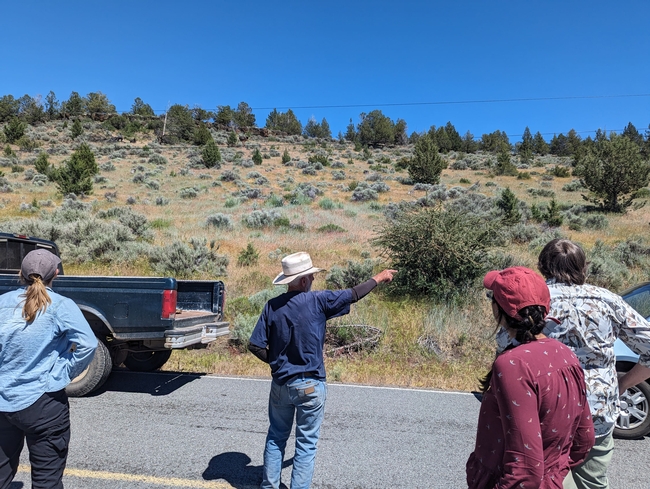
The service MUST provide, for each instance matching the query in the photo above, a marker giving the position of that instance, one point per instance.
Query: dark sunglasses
(489, 294)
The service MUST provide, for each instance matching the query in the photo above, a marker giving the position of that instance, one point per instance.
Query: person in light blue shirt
(45, 342)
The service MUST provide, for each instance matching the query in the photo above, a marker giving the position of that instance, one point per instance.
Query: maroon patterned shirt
(535, 422)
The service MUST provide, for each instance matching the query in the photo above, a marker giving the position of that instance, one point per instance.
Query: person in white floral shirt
(588, 319)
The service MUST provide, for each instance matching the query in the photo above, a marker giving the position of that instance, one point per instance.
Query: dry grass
(460, 338)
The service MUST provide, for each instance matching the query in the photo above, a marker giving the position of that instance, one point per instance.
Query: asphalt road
(166, 430)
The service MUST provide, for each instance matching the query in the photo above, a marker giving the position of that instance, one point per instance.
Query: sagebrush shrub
(260, 218)
(219, 221)
(352, 274)
(157, 159)
(189, 193)
(228, 176)
(182, 259)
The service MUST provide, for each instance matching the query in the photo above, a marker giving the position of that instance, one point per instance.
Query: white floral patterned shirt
(589, 319)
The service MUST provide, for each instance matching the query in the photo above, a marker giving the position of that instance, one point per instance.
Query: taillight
(168, 304)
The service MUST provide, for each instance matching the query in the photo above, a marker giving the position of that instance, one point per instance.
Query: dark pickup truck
(137, 320)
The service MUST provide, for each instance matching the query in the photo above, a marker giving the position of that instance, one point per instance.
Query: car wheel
(634, 420)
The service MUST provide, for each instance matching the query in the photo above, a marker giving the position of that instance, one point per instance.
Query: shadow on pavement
(233, 468)
(154, 383)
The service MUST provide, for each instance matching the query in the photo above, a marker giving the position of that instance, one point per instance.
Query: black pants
(46, 427)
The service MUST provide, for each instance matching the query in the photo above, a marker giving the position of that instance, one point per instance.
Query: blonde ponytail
(36, 298)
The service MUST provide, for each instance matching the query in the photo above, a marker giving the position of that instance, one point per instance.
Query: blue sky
(309, 54)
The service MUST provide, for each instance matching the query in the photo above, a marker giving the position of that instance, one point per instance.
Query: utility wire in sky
(448, 102)
(455, 102)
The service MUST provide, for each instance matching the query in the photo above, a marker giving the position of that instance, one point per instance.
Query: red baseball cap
(518, 287)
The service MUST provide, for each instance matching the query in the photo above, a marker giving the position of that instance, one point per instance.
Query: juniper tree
(211, 155)
(75, 175)
(257, 157)
(52, 106)
(76, 130)
(233, 140)
(140, 108)
(286, 157)
(42, 165)
(14, 130)
(426, 164)
(613, 170)
(509, 204)
(552, 215)
(540, 146)
(504, 166)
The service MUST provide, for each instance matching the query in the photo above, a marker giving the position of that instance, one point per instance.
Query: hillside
(157, 209)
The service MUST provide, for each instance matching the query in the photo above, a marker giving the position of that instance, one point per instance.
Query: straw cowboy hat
(295, 266)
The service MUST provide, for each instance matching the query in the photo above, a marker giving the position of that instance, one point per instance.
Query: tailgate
(200, 295)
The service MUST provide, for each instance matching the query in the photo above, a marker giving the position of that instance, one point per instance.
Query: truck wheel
(95, 374)
(146, 361)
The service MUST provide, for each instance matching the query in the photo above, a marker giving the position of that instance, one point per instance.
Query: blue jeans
(304, 397)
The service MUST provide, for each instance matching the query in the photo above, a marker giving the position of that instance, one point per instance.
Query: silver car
(634, 420)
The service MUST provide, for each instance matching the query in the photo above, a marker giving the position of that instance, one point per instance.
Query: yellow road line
(148, 479)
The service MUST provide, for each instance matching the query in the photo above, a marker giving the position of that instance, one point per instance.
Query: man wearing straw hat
(289, 336)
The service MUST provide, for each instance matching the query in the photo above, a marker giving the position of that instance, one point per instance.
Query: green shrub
(286, 157)
(438, 253)
(248, 257)
(274, 200)
(331, 228)
(523, 175)
(560, 171)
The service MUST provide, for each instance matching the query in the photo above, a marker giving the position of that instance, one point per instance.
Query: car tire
(94, 375)
(146, 361)
(634, 419)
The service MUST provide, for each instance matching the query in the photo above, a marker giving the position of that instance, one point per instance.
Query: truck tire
(146, 361)
(95, 374)
(633, 422)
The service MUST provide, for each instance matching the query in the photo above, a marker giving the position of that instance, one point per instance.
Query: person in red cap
(535, 422)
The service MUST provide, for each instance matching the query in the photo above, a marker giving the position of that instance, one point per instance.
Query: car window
(640, 300)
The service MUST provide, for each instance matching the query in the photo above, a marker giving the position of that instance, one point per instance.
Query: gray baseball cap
(40, 262)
